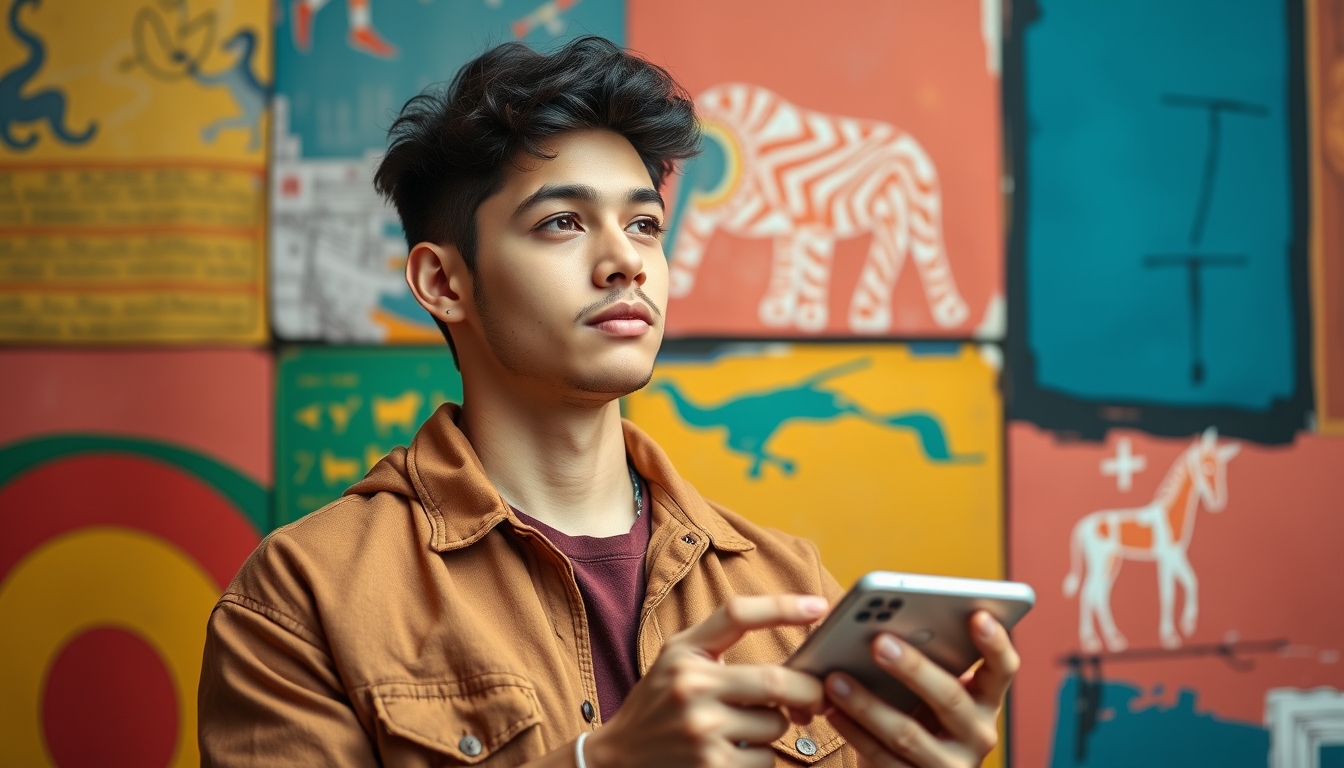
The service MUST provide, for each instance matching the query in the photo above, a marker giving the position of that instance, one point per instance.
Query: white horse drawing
(1159, 532)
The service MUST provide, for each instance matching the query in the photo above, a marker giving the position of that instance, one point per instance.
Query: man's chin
(610, 384)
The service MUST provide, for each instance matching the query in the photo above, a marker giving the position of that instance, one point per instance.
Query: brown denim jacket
(417, 611)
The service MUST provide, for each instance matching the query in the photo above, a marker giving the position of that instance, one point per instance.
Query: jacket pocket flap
(469, 719)
(810, 743)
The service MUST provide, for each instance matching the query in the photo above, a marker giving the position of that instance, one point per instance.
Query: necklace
(639, 495)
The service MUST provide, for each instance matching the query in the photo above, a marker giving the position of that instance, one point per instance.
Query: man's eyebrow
(646, 195)
(558, 192)
(585, 193)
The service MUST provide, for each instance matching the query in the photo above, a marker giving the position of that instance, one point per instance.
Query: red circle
(124, 490)
(109, 701)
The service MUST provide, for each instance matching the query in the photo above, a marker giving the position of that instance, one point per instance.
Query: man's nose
(618, 260)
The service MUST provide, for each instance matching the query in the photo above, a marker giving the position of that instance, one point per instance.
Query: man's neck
(562, 464)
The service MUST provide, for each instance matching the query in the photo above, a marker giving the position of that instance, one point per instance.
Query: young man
(530, 582)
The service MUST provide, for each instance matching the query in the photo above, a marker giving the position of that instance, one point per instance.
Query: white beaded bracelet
(578, 750)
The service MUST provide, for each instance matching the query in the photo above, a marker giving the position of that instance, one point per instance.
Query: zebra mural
(771, 169)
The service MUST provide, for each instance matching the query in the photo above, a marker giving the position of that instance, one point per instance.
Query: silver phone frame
(940, 605)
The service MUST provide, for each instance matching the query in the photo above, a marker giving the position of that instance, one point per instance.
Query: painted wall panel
(132, 487)
(888, 457)
(850, 181)
(338, 411)
(1160, 243)
(132, 171)
(342, 74)
(1243, 535)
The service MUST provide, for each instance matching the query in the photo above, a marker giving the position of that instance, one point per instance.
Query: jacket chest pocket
(459, 722)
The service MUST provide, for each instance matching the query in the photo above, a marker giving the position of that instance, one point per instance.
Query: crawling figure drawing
(47, 105)
(752, 419)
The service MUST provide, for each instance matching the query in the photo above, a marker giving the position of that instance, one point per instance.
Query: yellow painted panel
(132, 170)
(887, 456)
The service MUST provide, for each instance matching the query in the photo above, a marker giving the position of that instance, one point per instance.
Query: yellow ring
(92, 577)
(732, 174)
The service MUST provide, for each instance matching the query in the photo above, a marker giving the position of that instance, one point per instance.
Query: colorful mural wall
(1044, 290)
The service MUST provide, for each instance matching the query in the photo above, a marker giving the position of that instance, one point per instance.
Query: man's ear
(439, 280)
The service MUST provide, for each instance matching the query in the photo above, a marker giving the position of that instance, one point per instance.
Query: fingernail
(840, 686)
(813, 606)
(987, 627)
(888, 649)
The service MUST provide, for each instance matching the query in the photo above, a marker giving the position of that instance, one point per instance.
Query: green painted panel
(338, 411)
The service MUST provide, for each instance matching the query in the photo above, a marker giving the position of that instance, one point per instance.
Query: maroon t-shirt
(610, 573)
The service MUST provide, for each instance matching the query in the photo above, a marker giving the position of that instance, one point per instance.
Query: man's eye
(562, 224)
(647, 227)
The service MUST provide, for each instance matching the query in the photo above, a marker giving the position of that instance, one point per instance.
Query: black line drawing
(1216, 108)
(1194, 264)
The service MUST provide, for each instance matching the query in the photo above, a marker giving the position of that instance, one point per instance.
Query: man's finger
(740, 615)
(754, 725)
(770, 685)
(872, 751)
(944, 695)
(990, 682)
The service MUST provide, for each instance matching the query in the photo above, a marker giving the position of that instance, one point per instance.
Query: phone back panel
(930, 612)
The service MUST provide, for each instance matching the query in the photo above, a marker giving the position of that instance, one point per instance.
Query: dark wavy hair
(450, 146)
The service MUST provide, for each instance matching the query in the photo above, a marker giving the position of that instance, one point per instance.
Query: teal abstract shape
(752, 419)
(19, 106)
(700, 175)
(243, 85)
(1176, 736)
(932, 439)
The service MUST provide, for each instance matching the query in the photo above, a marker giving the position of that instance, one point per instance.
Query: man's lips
(623, 319)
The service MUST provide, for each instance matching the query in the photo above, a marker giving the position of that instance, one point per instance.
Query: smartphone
(931, 613)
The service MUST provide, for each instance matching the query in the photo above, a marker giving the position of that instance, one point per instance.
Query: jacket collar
(462, 506)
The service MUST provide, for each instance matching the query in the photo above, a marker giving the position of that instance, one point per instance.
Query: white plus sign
(1123, 465)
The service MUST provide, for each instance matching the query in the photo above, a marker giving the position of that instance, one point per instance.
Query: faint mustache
(615, 296)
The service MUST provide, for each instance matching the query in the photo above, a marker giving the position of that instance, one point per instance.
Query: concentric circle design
(104, 577)
(112, 555)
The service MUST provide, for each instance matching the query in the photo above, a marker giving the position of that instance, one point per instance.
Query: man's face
(571, 279)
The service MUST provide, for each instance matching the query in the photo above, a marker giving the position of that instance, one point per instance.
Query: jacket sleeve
(270, 694)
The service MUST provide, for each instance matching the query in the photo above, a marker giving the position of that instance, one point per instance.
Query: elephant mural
(771, 169)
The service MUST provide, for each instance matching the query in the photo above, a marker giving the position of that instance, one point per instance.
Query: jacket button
(589, 713)
(470, 745)
(806, 746)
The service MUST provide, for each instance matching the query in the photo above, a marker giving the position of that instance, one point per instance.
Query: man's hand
(958, 724)
(693, 710)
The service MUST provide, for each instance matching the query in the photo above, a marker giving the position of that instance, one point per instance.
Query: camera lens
(863, 616)
(895, 604)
